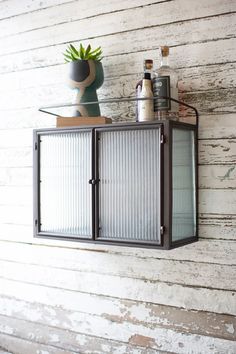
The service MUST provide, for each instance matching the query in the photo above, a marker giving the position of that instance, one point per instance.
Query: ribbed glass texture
(184, 203)
(129, 188)
(65, 194)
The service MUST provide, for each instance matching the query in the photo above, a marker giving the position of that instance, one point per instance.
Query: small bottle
(165, 83)
(147, 68)
(146, 112)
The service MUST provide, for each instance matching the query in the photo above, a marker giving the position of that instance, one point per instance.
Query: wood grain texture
(66, 297)
(69, 340)
(163, 13)
(201, 36)
(150, 315)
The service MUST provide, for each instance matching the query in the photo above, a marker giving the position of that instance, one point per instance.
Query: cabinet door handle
(93, 181)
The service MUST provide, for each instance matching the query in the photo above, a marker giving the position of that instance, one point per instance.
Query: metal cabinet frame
(166, 129)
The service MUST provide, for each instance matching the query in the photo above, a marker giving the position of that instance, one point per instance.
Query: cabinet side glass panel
(65, 194)
(183, 184)
(129, 188)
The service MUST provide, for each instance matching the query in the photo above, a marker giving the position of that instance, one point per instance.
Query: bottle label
(161, 87)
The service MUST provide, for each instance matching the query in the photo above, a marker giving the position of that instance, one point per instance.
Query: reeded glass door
(183, 184)
(129, 185)
(64, 192)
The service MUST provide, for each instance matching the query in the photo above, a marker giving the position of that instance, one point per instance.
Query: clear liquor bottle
(165, 83)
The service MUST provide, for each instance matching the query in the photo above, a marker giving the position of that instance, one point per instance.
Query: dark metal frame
(123, 127)
(166, 128)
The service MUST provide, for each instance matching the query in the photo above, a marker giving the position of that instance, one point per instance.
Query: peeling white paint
(71, 293)
(230, 328)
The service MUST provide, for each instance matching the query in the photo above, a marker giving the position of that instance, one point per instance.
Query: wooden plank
(78, 121)
(186, 36)
(209, 102)
(16, 138)
(201, 78)
(15, 176)
(15, 215)
(105, 263)
(217, 151)
(12, 8)
(217, 176)
(13, 195)
(28, 347)
(163, 13)
(70, 341)
(221, 277)
(67, 253)
(27, 118)
(204, 77)
(142, 314)
(218, 226)
(16, 157)
(217, 201)
(60, 12)
(14, 231)
(219, 126)
(214, 101)
(107, 326)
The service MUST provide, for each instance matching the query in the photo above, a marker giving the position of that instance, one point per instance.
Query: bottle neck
(147, 68)
(147, 84)
(165, 61)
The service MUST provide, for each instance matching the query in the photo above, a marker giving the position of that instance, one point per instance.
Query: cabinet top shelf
(49, 109)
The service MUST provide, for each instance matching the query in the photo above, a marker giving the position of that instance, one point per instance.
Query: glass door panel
(183, 184)
(129, 187)
(65, 194)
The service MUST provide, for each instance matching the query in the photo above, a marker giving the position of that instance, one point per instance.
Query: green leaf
(87, 52)
(74, 50)
(72, 54)
(67, 56)
(81, 53)
(96, 50)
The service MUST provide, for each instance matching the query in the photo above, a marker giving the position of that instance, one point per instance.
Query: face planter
(86, 76)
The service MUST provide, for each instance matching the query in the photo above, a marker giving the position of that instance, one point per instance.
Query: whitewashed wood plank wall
(65, 297)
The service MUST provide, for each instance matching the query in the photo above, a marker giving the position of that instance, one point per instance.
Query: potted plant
(86, 76)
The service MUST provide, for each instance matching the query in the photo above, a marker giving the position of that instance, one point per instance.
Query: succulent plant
(72, 54)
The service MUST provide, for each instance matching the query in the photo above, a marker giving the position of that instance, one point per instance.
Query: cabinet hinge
(35, 146)
(162, 230)
(163, 139)
(35, 222)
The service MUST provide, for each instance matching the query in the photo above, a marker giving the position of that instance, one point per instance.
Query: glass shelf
(67, 109)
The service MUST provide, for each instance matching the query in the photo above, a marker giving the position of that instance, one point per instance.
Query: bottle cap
(148, 61)
(148, 64)
(147, 76)
(164, 51)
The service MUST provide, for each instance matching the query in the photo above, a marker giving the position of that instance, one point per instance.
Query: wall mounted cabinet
(127, 184)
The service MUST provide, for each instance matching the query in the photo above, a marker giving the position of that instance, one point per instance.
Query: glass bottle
(147, 68)
(146, 112)
(165, 83)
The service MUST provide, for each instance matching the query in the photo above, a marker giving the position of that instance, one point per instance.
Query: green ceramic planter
(86, 76)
